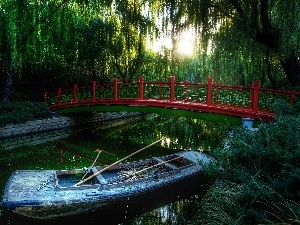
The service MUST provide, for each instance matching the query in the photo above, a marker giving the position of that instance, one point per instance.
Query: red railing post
(94, 90)
(58, 96)
(116, 89)
(75, 99)
(141, 88)
(209, 91)
(172, 87)
(255, 96)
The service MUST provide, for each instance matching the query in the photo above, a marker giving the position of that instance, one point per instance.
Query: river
(80, 149)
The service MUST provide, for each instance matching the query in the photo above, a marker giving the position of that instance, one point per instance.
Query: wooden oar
(93, 163)
(115, 163)
(100, 150)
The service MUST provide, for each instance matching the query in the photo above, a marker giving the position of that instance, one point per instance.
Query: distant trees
(46, 44)
(249, 39)
(55, 43)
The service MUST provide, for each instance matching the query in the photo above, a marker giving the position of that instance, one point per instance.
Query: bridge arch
(239, 101)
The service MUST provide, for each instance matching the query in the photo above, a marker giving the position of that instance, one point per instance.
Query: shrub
(258, 175)
(18, 112)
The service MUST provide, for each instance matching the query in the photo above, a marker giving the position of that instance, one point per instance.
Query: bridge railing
(267, 97)
(251, 97)
(233, 95)
(190, 92)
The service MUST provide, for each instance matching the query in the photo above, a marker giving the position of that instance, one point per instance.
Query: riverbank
(39, 131)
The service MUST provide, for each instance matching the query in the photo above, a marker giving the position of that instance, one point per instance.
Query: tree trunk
(264, 33)
(269, 37)
(291, 66)
(8, 84)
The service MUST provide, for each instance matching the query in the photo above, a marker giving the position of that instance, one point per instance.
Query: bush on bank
(257, 177)
(19, 112)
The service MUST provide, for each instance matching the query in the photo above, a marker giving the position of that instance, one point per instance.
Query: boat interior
(124, 172)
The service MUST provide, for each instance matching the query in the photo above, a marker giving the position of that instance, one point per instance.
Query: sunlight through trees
(56, 43)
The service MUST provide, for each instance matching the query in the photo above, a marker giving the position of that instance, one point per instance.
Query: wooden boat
(48, 194)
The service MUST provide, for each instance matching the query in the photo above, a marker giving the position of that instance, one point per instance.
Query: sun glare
(162, 43)
(185, 46)
(186, 43)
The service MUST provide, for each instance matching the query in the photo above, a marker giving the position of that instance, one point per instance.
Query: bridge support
(247, 122)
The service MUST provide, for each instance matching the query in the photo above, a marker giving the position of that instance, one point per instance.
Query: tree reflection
(181, 132)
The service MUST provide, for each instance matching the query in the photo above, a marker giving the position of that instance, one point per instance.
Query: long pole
(92, 164)
(115, 163)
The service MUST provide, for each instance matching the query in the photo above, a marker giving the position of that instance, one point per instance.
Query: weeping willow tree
(46, 44)
(24, 37)
(56, 43)
(241, 41)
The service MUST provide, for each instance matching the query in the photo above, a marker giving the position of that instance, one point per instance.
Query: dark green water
(78, 151)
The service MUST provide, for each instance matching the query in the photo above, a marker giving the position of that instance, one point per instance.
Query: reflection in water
(182, 132)
(171, 206)
(177, 212)
(172, 213)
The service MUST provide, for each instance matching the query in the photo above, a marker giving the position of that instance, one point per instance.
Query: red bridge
(250, 102)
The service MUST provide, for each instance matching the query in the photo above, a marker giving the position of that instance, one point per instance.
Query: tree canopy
(50, 44)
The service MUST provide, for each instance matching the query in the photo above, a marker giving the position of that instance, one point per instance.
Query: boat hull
(48, 201)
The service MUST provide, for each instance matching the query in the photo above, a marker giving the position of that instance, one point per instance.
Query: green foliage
(18, 112)
(282, 108)
(60, 43)
(258, 174)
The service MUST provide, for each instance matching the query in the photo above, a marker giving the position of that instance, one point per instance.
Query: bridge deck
(225, 109)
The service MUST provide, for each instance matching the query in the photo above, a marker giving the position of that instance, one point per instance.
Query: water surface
(81, 149)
